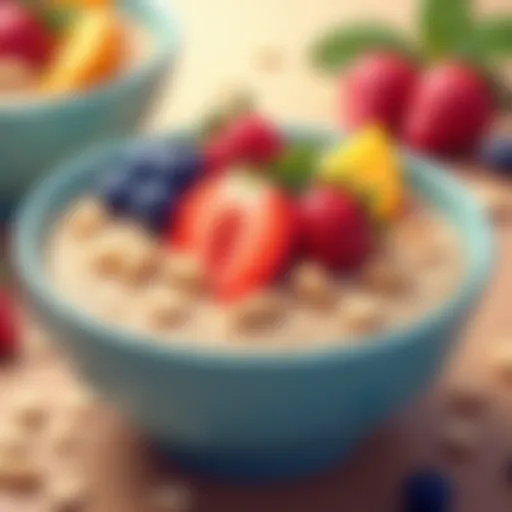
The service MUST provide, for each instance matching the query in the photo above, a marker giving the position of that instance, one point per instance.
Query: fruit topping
(151, 203)
(450, 110)
(92, 50)
(9, 334)
(377, 90)
(115, 189)
(249, 138)
(147, 189)
(368, 165)
(22, 35)
(335, 228)
(497, 153)
(241, 227)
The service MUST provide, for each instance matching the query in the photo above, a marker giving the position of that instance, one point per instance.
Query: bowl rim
(168, 35)
(35, 209)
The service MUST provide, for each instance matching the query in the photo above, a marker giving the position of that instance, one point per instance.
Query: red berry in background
(336, 230)
(377, 90)
(450, 111)
(241, 228)
(8, 327)
(22, 35)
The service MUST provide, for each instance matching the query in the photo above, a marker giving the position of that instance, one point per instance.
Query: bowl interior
(439, 189)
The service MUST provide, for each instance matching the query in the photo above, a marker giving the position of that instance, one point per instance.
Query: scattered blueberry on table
(428, 490)
(508, 472)
(497, 153)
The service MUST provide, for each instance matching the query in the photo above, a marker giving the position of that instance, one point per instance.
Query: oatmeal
(188, 253)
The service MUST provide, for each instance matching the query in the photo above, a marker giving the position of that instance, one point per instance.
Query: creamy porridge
(235, 259)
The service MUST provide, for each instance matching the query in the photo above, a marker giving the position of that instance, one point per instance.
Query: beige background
(224, 38)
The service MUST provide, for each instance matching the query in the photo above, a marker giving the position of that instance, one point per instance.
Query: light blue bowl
(36, 135)
(266, 416)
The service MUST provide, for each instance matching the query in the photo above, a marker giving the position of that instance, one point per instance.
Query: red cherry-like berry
(449, 111)
(22, 35)
(241, 227)
(377, 90)
(249, 138)
(336, 230)
(9, 335)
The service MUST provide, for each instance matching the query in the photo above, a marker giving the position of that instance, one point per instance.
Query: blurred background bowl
(261, 415)
(36, 134)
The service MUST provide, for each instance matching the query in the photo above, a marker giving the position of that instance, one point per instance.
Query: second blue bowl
(36, 135)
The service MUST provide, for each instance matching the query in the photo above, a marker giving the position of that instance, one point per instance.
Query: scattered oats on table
(66, 493)
(467, 398)
(501, 363)
(170, 497)
(29, 408)
(459, 438)
(495, 200)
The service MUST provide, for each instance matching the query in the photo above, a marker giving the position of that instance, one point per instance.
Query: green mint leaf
(494, 36)
(339, 46)
(296, 167)
(445, 26)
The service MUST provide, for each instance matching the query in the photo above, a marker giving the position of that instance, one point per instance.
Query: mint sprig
(445, 28)
(339, 46)
(296, 167)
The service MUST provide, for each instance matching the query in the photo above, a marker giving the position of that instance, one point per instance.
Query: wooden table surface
(224, 39)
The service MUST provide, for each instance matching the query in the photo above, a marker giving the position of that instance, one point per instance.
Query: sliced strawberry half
(241, 227)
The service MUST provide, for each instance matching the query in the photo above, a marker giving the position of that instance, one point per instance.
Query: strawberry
(23, 35)
(9, 335)
(336, 231)
(450, 110)
(241, 227)
(377, 90)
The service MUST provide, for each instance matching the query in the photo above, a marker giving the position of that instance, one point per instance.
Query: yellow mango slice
(369, 165)
(91, 52)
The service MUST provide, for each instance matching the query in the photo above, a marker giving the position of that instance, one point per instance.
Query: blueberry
(151, 204)
(115, 189)
(427, 491)
(151, 161)
(186, 165)
(497, 153)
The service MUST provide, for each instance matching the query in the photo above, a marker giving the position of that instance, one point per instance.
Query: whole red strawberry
(9, 335)
(22, 35)
(335, 228)
(378, 89)
(449, 111)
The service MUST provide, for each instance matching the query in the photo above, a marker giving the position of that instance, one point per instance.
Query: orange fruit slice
(91, 52)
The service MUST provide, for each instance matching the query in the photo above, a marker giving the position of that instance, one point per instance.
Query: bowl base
(258, 467)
